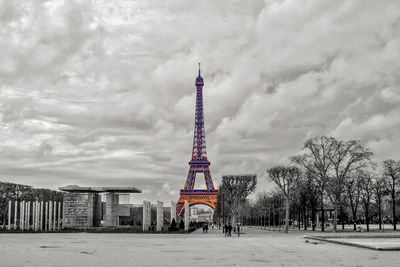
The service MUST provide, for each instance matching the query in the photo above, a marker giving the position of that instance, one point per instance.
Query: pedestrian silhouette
(230, 230)
(238, 229)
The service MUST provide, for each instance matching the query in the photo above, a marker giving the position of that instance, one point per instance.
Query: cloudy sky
(102, 92)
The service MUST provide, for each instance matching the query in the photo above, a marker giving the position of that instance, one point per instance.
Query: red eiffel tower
(199, 162)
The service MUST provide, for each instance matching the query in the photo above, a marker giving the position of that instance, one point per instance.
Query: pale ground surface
(372, 242)
(255, 248)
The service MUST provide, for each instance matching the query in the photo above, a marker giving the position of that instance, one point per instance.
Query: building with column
(83, 206)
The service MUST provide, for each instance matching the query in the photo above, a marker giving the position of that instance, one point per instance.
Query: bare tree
(262, 205)
(318, 161)
(366, 193)
(270, 204)
(353, 191)
(379, 189)
(286, 179)
(347, 157)
(392, 174)
(224, 203)
(305, 198)
(313, 196)
(301, 200)
(239, 188)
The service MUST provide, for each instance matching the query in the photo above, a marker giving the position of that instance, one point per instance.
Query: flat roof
(87, 189)
(126, 189)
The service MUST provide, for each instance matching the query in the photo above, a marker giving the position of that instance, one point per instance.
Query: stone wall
(76, 210)
(82, 210)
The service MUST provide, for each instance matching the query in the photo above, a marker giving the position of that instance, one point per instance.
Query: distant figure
(206, 227)
(230, 230)
(238, 229)
(226, 230)
(212, 226)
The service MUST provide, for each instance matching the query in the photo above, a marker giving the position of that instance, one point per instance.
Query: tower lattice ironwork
(199, 162)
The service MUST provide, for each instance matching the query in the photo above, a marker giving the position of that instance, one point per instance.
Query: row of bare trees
(20, 192)
(232, 196)
(340, 173)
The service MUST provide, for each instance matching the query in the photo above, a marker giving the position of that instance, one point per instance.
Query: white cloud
(102, 93)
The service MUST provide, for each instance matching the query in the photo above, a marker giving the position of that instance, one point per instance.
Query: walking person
(226, 230)
(230, 230)
(206, 227)
(238, 230)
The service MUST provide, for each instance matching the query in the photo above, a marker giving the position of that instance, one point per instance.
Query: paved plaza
(254, 248)
(375, 243)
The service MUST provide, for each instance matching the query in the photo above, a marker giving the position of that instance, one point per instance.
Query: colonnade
(159, 216)
(34, 215)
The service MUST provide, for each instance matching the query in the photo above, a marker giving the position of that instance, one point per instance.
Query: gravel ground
(254, 248)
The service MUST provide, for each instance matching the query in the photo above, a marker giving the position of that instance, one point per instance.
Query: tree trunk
(341, 217)
(313, 216)
(394, 211)
(367, 216)
(322, 215)
(322, 219)
(335, 218)
(354, 220)
(273, 219)
(287, 216)
(299, 219)
(379, 214)
(262, 220)
(269, 220)
(305, 217)
(279, 220)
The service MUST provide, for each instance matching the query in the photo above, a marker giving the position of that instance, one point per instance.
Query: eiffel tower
(198, 163)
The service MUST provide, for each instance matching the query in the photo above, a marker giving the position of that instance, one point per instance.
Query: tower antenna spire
(199, 69)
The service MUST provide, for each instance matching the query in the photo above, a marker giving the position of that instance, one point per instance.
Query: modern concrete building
(82, 206)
